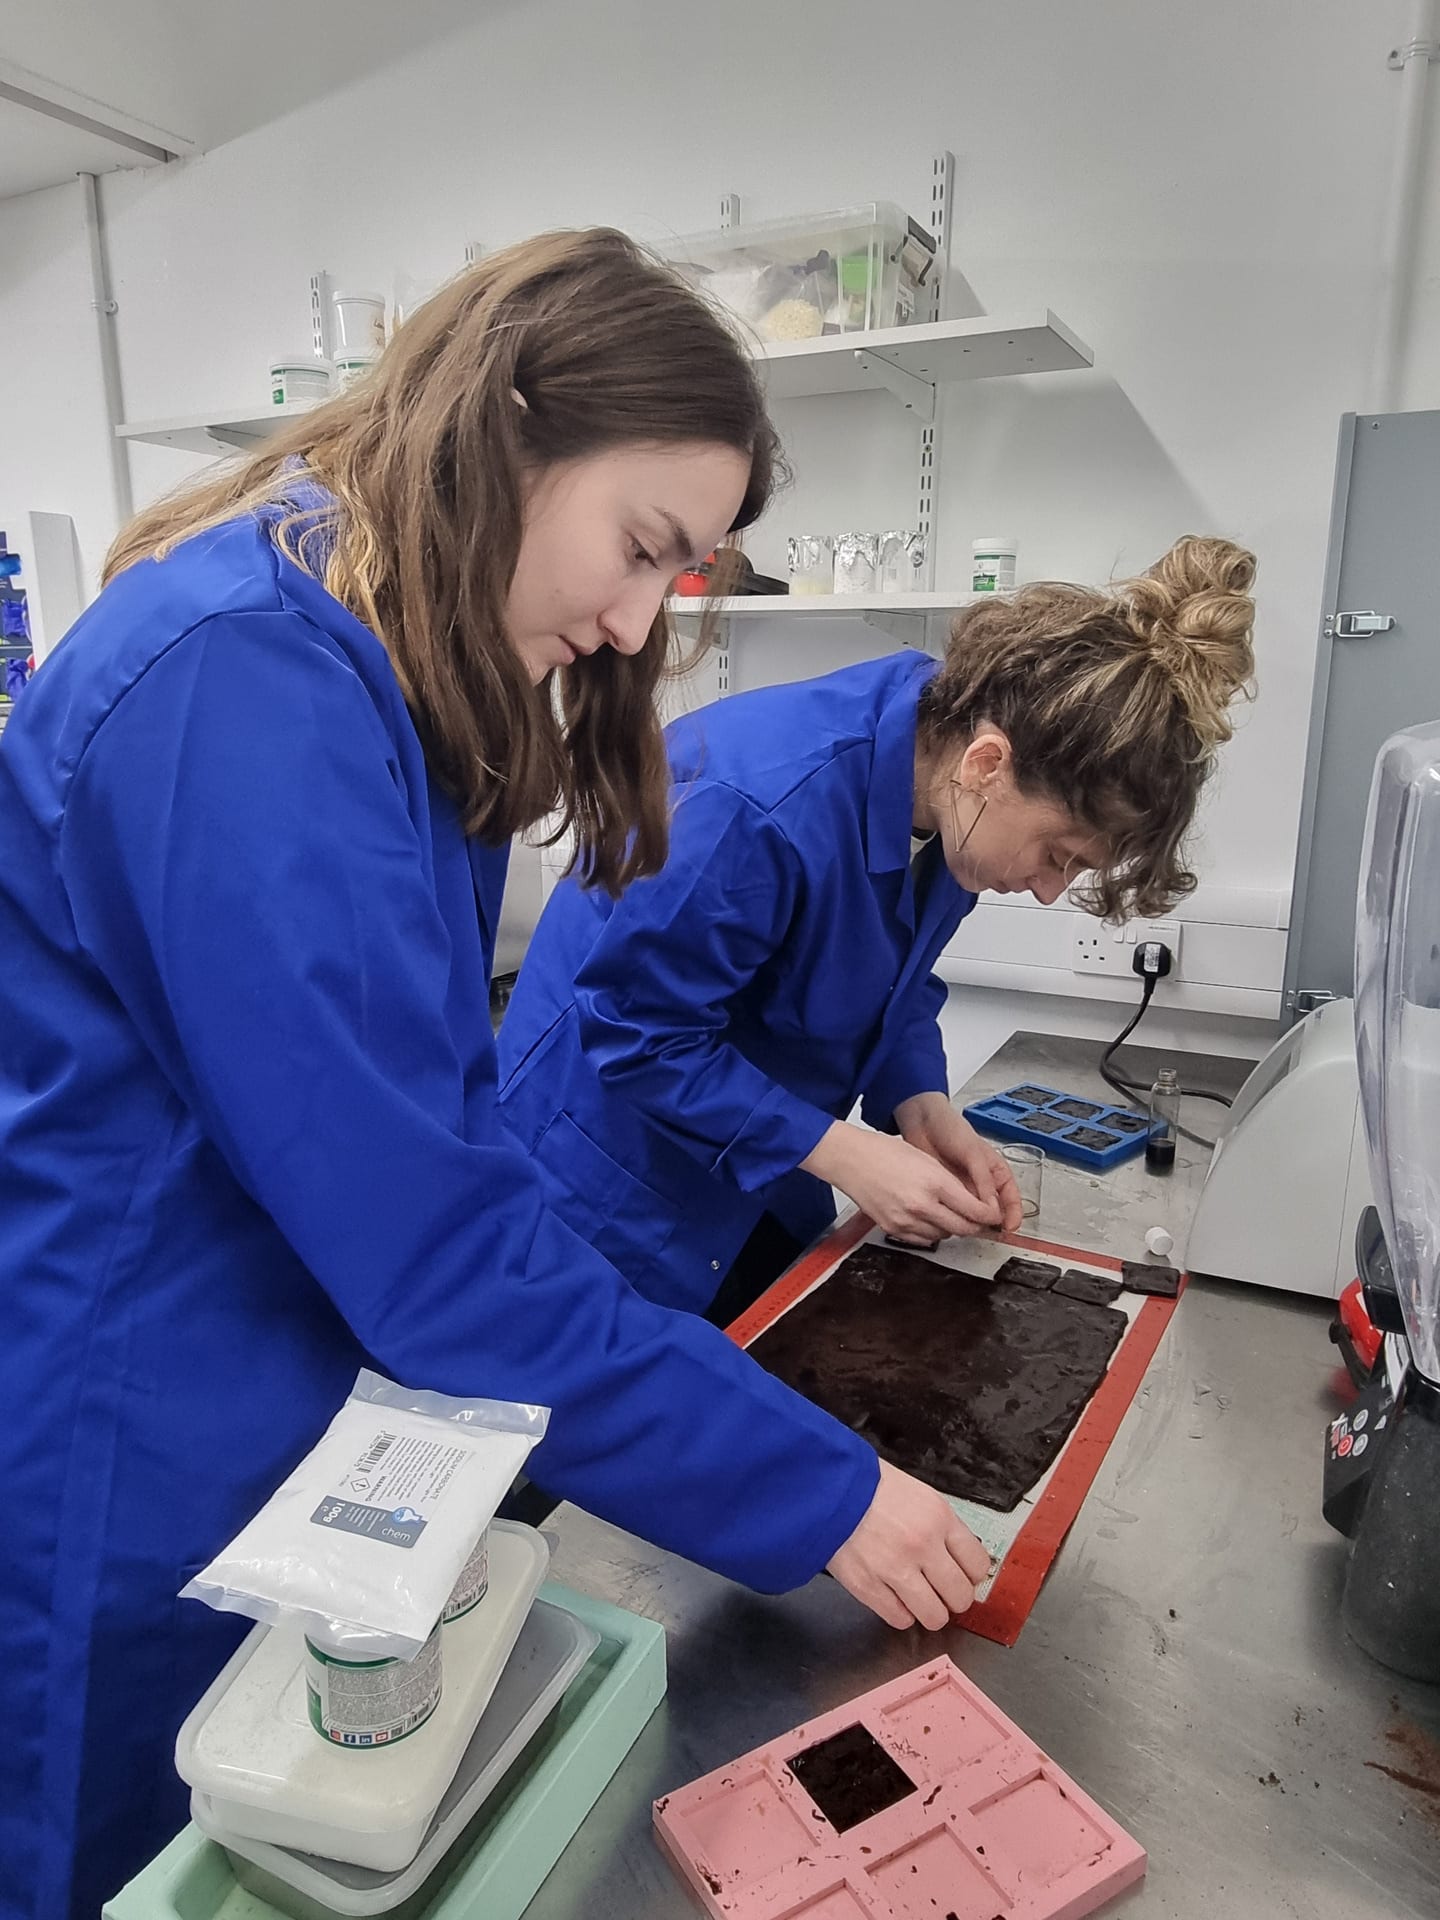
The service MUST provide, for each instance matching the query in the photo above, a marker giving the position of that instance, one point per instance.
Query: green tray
(518, 1836)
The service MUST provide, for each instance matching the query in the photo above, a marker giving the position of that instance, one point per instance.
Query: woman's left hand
(930, 1122)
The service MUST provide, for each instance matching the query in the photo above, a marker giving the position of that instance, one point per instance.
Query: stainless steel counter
(1185, 1661)
(1111, 1213)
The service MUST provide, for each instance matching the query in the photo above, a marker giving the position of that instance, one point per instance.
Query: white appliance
(1291, 1173)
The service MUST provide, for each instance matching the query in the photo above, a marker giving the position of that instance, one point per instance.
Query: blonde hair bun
(1193, 611)
(1114, 700)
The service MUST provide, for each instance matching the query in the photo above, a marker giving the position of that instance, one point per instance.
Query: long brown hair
(1115, 701)
(566, 345)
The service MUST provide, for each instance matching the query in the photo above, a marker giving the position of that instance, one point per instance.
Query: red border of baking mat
(1005, 1609)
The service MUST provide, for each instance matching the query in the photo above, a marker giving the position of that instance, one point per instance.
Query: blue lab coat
(670, 1059)
(249, 1142)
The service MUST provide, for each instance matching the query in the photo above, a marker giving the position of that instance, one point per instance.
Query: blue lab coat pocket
(605, 1204)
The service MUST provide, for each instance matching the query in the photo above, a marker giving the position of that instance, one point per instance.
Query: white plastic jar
(359, 322)
(353, 365)
(473, 1584)
(299, 376)
(994, 565)
(371, 1703)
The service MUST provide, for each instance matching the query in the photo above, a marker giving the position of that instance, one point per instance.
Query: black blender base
(1354, 1443)
(1392, 1589)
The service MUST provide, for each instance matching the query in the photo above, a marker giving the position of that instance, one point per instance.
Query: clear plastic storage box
(844, 272)
(552, 1648)
(259, 1770)
(496, 1865)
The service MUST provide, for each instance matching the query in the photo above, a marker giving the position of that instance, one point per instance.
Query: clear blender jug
(1392, 1589)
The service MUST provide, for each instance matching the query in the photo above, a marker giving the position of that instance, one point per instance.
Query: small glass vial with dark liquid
(1164, 1121)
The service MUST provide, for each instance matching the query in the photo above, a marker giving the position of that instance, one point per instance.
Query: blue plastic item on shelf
(1066, 1125)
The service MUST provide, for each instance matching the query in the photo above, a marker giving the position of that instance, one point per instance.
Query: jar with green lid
(371, 1703)
(473, 1584)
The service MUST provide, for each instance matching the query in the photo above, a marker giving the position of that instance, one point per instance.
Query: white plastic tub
(352, 364)
(299, 376)
(250, 1750)
(552, 1649)
(359, 322)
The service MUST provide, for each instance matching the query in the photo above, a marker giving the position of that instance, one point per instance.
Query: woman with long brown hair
(257, 809)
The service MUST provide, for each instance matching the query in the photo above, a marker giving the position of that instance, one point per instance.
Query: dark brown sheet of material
(1145, 1276)
(1076, 1284)
(972, 1385)
(851, 1777)
(1039, 1274)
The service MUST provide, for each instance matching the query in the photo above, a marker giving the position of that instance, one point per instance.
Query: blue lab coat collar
(890, 803)
(303, 495)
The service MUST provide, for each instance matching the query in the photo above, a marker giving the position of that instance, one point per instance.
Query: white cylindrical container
(857, 563)
(359, 322)
(351, 366)
(371, 1703)
(812, 563)
(298, 376)
(473, 1584)
(994, 566)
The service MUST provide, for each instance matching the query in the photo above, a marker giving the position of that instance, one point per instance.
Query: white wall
(1197, 191)
(53, 434)
(975, 1023)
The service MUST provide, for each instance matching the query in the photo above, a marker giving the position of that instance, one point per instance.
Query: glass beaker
(1027, 1165)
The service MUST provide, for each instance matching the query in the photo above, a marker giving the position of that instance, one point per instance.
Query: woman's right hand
(911, 1558)
(906, 1192)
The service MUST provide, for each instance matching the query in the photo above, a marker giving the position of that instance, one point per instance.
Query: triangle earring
(962, 841)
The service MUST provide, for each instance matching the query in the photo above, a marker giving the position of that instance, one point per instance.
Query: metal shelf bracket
(917, 396)
(907, 629)
(942, 193)
(320, 315)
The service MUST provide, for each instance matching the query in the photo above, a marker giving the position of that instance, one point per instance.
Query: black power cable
(1152, 961)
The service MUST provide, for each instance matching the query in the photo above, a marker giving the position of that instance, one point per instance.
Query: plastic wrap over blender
(1392, 1593)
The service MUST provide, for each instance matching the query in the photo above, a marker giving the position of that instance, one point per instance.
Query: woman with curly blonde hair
(681, 1062)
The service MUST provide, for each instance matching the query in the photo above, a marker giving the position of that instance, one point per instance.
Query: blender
(1392, 1588)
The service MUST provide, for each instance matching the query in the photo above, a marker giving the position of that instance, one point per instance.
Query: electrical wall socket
(1097, 948)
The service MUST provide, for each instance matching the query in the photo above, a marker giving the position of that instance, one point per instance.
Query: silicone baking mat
(1024, 1542)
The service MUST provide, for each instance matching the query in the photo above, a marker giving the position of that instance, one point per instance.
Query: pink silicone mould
(982, 1826)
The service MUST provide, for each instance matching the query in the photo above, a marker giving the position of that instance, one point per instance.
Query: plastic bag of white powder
(363, 1544)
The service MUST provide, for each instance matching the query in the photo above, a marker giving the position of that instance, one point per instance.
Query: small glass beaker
(1027, 1166)
(812, 563)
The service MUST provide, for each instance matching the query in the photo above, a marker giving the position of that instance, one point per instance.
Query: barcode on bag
(379, 1447)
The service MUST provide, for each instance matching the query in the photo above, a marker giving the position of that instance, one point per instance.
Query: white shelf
(898, 358)
(234, 432)
(936, 353)
(860, 604)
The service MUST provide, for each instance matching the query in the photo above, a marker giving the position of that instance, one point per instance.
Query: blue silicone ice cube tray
(1066, 1125)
